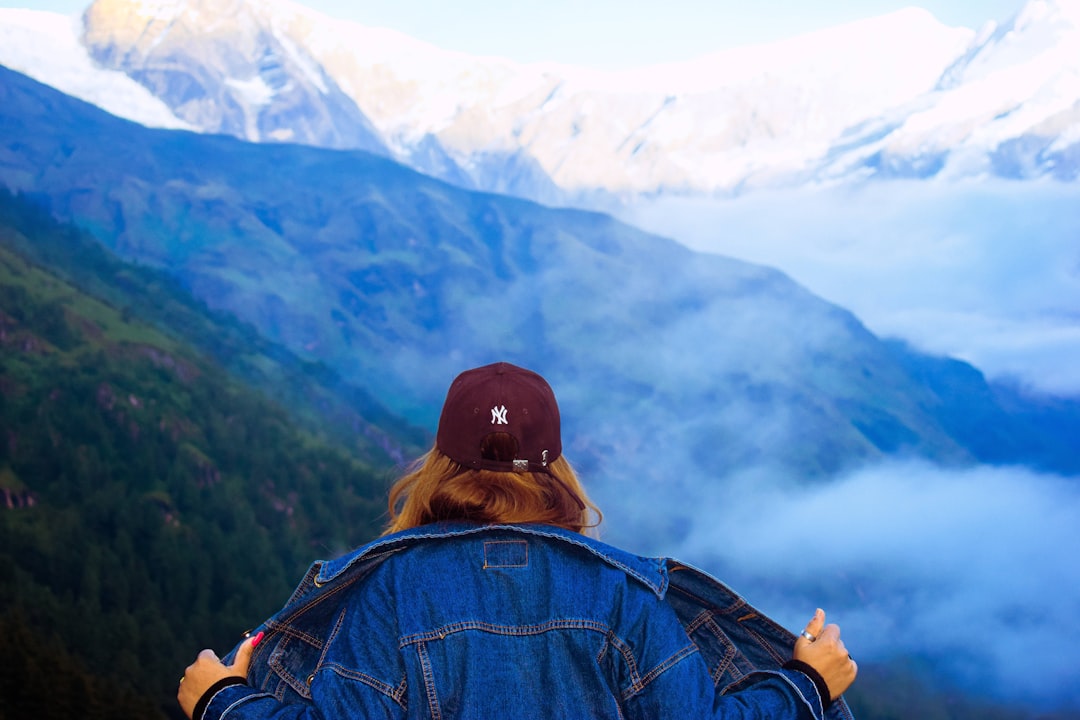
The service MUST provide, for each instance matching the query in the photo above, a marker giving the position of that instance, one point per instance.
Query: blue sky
(612, 33)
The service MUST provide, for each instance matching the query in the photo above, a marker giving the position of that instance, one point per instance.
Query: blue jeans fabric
(525, 621)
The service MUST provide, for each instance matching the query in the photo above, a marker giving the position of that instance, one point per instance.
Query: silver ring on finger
(809, 635)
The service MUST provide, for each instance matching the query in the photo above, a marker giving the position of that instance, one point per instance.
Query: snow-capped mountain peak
(45, 46)
(230, 67)
(896, 95)
(1009, 106)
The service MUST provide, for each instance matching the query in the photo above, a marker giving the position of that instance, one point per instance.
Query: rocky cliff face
(227, 68)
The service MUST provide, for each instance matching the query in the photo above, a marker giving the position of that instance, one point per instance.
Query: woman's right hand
(826, 654)
(207, 669)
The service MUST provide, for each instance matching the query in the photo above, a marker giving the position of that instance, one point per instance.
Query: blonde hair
(437, 488)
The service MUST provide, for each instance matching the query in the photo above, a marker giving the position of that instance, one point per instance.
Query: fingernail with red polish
(257, 640)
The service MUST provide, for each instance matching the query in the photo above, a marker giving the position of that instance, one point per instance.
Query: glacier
(46, 47)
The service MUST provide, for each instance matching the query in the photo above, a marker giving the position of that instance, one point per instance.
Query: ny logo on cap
(498, 415)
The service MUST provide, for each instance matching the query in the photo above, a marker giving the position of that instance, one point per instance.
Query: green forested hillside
(150, 503)
(313, 392)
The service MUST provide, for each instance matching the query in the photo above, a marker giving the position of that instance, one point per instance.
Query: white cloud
(988, 272)
(973, 568)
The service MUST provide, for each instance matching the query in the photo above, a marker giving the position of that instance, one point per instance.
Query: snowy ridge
(900, 95)
(1019, 81)
(705, 124)
(230, 68)
(45, 46)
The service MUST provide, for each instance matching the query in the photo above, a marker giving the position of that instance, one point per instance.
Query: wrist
(814, 675)
(204, 700)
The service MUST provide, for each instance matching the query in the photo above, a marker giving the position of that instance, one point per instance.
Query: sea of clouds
(972, 570)
(987, 271)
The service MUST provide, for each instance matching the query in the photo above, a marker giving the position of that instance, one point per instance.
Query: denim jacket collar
(651, 572)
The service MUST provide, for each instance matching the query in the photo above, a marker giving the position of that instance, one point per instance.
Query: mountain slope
(151, 504)
(398, 282)
(315, 395)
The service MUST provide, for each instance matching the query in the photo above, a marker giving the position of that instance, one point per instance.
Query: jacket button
(310, 679)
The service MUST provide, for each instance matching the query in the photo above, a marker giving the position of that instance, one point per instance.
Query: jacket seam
(429, 682)
(626, 652)
(727, 663)
(735, 607)
(487, 546)
(798, 691)
(442, 632)
(287, 630)
(811, 706)
(394, 692)
(240, 701)
(306, 604)
(763, 642)
(283, 673)
(319, 664)
(643, 681)
(668, 664)
(638, 681)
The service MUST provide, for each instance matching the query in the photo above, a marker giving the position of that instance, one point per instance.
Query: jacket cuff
(815, 676)
(200, 706)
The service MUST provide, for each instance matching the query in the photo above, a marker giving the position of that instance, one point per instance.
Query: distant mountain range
(896, 96)
(675, 369)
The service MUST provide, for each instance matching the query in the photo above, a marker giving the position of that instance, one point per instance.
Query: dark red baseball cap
(500, 398)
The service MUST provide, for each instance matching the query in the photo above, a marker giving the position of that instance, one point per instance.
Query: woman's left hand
(208, 669)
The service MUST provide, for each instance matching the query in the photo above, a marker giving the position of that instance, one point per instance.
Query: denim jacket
(526, 621)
